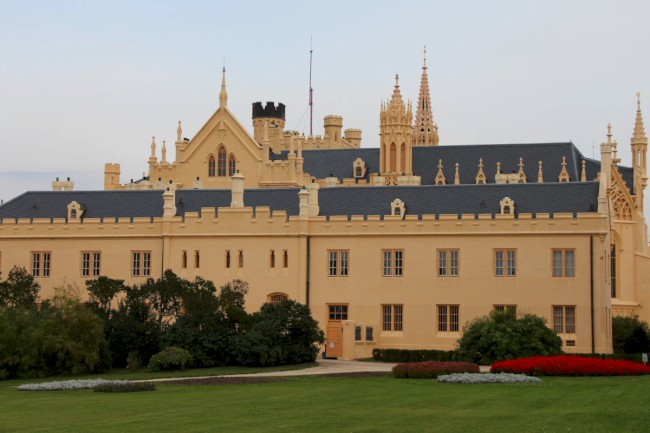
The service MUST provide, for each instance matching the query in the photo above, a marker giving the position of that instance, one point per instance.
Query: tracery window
(232, 165)
(211, 166)
(221, 161)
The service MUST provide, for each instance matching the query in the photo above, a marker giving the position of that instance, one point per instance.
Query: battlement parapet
(269, 110)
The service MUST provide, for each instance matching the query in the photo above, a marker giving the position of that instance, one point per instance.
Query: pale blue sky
(88, 82)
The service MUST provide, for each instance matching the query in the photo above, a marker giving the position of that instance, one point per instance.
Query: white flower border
(65, 385)
(472, 378)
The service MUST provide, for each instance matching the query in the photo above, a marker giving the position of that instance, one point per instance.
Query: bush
(124, 387)
(570, 366)
(281, 333)
(405, 355)
(171, 358)
(501, 335)
(432, 369)
(630, 335)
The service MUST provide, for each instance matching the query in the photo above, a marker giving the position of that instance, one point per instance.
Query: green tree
(19, 290)
(102, 292)
(165, 297)
(501, 335)
(630, 335)
(281, 333)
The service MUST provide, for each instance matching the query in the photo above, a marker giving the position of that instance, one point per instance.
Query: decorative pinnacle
(609, 133)
(396, 80)
(425, 58)
(638, 100)
(223, 95)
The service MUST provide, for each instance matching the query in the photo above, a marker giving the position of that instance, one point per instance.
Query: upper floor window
(41, 264)
(221, 161)
(505, 263)
(141, 263)
(564, 319)
(338, 261)
(392, 317)
(212, 166)
(338, 312)
(447, 263)
(563, 263)
(503, 307)
(232, 165)
(90, 264)
(227, 258)
(392, 263)
(241, 259)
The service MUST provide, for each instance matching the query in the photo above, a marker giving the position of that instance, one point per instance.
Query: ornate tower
(425, 130)
(396, 132)
(269, 117)
(639, 144)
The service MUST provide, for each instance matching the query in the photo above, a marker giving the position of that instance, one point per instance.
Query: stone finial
(457, 176)
(223, 95)
(440, 177)
(179, 133)
(540, 175)
(164, 152)
(522, 173)
(481, 179)
(498, 167)
(583, 173)
(153, 148)
(564, 174)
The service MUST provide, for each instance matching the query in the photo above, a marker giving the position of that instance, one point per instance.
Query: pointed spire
(223, 95)
(480, 176)
(397, 96)
(179, 133)
(522, 173)
(153, 147)
(639, 131)
(425, 129)
(564, 174)
(457, 176)
(440, 177)
(164, 152)
(498, 167)
(583, 173)
(540, 175)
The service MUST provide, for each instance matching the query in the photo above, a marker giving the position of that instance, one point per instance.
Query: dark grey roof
(338, 163)
(446, 199)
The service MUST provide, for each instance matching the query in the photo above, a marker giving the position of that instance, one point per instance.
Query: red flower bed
(570, 366)
(432, 369)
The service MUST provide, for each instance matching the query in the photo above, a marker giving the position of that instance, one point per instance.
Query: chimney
(169, 203)
(314, 209)
(303, 195)
(237, 190)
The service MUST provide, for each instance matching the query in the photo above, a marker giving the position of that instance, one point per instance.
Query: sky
(83, 83)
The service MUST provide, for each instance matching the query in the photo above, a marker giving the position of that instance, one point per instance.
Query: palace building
(394, 246)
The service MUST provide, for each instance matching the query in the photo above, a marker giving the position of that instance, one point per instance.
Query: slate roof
(338, 163)
(445, 199)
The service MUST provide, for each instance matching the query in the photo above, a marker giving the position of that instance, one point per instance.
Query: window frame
(392, 317)
(222, 161)
(91, 266)
(212, 166)
(563, 270)
(340, 315)
(143, 260)
(447, 268)
(41, 264)
(392, 262)
(338, 263)
(505, 260)
(448, 318)
(564, 325)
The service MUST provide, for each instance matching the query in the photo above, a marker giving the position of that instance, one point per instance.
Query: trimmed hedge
(171, 358)
(125, 387)
(563, 365)
(616, 356)
(404, 355)
(432, 369)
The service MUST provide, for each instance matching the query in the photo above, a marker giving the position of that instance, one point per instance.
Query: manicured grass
(145, 374)
(325, 404)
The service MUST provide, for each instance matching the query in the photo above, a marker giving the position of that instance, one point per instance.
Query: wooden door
(334, 340)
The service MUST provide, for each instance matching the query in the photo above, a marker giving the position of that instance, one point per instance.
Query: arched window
(393, 158)
(613, 269)
(211, 166)
(275, 298)
(402, 157)
(221, 162)
(358, 171)
(232, 165)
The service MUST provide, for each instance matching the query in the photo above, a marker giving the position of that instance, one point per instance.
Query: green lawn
(322, 404)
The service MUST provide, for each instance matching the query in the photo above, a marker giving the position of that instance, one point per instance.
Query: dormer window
(359, 168)
(397, 208)
(75, 211)
(507, 206)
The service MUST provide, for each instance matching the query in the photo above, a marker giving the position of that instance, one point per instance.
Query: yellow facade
(397, 279)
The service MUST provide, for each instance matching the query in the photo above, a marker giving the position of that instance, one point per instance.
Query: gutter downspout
(307, 271)
(591, 277)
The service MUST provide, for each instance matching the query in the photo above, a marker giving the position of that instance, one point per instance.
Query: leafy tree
(501, 335)
(281, 333)
(102, 292)
(630, 335)
(165, 297)
(19, 290)
(231, 302)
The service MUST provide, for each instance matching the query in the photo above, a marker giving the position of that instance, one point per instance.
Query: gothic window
(221, 162)
(211, 166)
(402, 154)
(393, 158)
(612, 258)
(232, 165)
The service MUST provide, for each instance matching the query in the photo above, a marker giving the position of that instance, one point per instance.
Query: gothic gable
(622, 201)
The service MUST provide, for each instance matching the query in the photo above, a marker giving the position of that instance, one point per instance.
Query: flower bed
(432, 369)
(64, 385)
(563, 365)
(487, 378)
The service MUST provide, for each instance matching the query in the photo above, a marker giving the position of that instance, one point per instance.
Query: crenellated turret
(396, 131)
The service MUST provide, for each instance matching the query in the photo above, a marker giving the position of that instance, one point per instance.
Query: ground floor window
(564, 319)
(448, 318)
(90, 264)
(392, 317)
(41, 264)
(338, 312)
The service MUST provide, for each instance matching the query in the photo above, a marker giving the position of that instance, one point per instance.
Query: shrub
(630, 335)
(110, 386)
(405, 355)
(432, 369)
(171, 358)
(501, 335)
(570, 366)
(474, 378)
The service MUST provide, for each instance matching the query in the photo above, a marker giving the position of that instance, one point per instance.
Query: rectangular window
(338, 263)
(392, 317)
(564, 319)
(338, 312)
(563, 263)
(447, 263)
(241, 259)
(357, 333)
(392, 263)
(184, 260)
(90, 264)
(448, 318)
(41, 262)
(272, 259)
(197, 259)
(509, 308)
(140, 263)
(505, 263)
(228, 259)
(369, 333)
(286, 259)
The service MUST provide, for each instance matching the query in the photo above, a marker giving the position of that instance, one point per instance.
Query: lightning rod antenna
(311, 91)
